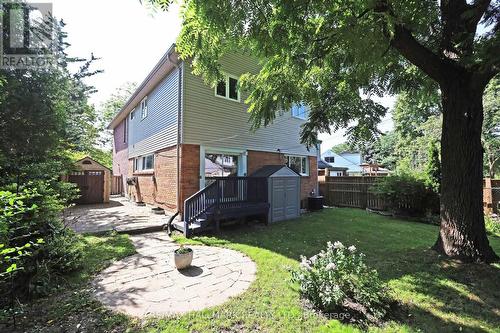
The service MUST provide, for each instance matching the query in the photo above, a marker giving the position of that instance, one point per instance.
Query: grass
(71, 307)
(435, 294)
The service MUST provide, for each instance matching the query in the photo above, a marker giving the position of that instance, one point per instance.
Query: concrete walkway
(148, 284)
(119, 215)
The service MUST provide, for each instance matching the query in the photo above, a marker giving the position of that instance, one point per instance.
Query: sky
(130, 39)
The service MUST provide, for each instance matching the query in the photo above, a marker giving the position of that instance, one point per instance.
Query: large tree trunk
(462, 234)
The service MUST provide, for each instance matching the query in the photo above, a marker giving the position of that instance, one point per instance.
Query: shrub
(30, 221)
(492, 225)
(337, 280)
(406, 194)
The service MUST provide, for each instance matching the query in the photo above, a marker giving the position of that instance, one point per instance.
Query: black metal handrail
(224, 191)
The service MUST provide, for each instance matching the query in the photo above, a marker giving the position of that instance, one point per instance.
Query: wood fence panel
(350, 191)
(117, 185)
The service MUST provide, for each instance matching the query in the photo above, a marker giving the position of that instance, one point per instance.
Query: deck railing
(224, 191)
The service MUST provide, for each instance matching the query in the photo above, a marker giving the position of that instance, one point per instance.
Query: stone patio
(119, 215)
(147, 284)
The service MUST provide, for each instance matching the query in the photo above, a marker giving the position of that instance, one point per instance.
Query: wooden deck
(223, 200)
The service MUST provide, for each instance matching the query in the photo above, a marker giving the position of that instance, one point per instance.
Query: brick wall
(190, 175)
(120, 152)
(257, 159)
(158, 188)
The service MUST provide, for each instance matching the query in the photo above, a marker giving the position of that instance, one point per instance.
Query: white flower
(305, 265)
(322, 254)
(352, 248)
(313, 259)
(338, 245)
(329, 244)
(331, 266)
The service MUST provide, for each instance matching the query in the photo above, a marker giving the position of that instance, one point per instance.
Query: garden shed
(93, 180)
(283, 191)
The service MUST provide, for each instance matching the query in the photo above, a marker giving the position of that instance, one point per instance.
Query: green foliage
(406, 194)
(433, 169)
(31, 224)
(491, 128)
(342, 147)
(492, 225)
(337, 280)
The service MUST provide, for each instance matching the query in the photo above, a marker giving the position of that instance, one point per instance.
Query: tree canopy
(336, 55)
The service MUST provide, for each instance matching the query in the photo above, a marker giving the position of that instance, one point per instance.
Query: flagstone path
(147, 283)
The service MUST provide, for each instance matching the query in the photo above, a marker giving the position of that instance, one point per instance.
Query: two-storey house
(176, 132)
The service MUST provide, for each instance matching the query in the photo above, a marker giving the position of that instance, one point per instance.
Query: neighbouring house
(326, 170)
(354, 163)
(93, 180)
(176, 135)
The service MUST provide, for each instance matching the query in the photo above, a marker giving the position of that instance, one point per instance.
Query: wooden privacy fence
(491, 195)
(117, 185)
(351, 192)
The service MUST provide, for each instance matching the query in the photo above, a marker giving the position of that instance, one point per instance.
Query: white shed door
(285, 198)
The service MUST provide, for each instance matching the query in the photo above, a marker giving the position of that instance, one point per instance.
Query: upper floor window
(132, 114)
(144, 108)
(298, 163)
(125, 131)
(300, 111)
(228, 88)
(330, 159)
(144, 163)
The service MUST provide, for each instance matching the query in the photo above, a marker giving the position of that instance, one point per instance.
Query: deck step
(194, 227)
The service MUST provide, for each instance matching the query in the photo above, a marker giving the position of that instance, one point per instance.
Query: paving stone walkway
(147, 283)
(119, 214)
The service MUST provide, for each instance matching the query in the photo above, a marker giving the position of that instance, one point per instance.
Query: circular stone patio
(147, 283)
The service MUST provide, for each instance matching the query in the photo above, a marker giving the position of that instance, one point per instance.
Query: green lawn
(435, 294)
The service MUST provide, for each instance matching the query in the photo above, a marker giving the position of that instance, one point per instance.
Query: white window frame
(132, 114)
(139, 163)
(303, 116)
(226, 79)
(144, 108)
(328, 157)
(305, 172)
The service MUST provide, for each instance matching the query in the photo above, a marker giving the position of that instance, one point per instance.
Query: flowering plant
(337, 279)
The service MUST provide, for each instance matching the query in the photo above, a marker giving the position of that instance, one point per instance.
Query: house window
(132, 114)
(228, 88)
(298, 163)
(144, 163)
(221, 165)
(125, 131)
(330, 159)
(300, 111)
(144, 108)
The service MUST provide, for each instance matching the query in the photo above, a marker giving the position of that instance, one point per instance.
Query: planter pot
(158, 211)
(183, 260)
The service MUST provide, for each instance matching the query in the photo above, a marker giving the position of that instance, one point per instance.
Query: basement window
(144, 163)
(298, 163)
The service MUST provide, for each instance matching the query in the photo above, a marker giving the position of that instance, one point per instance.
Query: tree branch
(417, 54)
(478, 9)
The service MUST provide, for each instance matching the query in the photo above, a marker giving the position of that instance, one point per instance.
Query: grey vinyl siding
(217, 122)
(159, 129)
